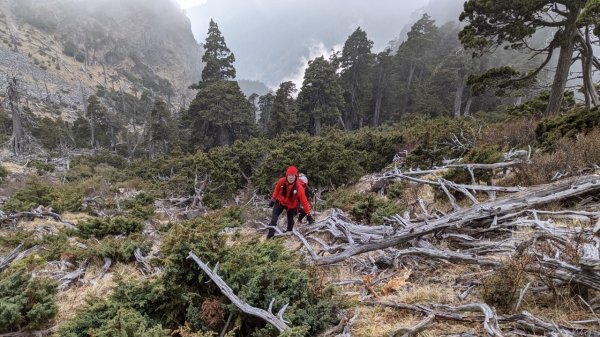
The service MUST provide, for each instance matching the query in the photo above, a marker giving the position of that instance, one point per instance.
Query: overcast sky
(273, 39)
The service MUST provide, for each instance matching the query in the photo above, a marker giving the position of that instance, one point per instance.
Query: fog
(273, 39)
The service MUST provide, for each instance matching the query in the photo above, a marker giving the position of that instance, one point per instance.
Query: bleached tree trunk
(557, 91)
(411, 73)
(587, 56)
(460, 88)
(17, 142)
(317, 126)
(467, 111)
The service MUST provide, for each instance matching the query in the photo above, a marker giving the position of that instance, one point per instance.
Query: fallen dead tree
(560, 248)
(267, 315)
(13, 218)
(16, 254)
(478, 215)
(523, 323)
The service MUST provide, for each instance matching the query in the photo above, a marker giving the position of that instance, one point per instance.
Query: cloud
(186, 4)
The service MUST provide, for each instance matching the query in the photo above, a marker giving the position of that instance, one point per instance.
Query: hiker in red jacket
(287, 194)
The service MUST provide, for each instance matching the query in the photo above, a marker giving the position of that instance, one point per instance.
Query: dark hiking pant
(277, 210)
(301, 214)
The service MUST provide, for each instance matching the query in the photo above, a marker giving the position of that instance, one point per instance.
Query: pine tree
(160, 128)
(414, 62)
(320, 98)
(253, 102)
(218, 58)
(99, 123)
(512, 23)
(265, 103)
(282, 117)
(381, 86)
(220, 113)
(356, 62)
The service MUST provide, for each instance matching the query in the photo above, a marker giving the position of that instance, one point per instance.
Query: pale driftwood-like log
(590, 258)
(276, 320)
(415, 330)
(36, 333)
(6, 260)
(227, 323)
(477, 188)
(70, 278)
(564, 271)
(14, 217)
(105, 267)
(438, 169)
(530, 197)
(524, 320)
(521, 296)
(15, 255)
(145, 266)
(490, 320)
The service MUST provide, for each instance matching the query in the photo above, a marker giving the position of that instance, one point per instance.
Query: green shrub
(35, 193)
(537, 106)
(3, 173)
(25, 302)
(100, 227)
(118, 249)
(256, 271)
(569, 125)
(110, 318)
(501, 289)
(70, 49)
(485, 154)
(364, 207)
(435, 140)
(141, 206)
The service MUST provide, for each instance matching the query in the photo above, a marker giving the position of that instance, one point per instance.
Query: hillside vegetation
(453, 180)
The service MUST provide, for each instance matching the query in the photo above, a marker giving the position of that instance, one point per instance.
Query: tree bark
(317, 126)
(458, 96)
(411, 73)
(564, 64)
(17, 143)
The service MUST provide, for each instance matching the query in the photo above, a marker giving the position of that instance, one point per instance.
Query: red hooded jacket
(288, 195)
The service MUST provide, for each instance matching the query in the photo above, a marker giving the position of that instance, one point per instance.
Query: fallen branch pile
(483, 229)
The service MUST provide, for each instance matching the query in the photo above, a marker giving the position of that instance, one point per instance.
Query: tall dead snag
(267, 315)
(21, 141)
(17, 144)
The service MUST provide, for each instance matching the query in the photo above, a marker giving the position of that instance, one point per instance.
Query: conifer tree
(320, 98)
(220, 113)
(282, 117)
(512, 23)
(356, 62)
(265, 103)
(217, 56)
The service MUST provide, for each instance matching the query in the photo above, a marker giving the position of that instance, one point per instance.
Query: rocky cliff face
(64, 50)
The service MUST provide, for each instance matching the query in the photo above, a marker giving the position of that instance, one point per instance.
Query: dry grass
(76, 298)
(426, 293)
(75, 217)
(518, 132)
(14, 168)
(571, 156)
(379, 321)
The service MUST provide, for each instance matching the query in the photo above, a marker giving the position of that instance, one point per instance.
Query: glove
(310, 219)
(272, 203)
